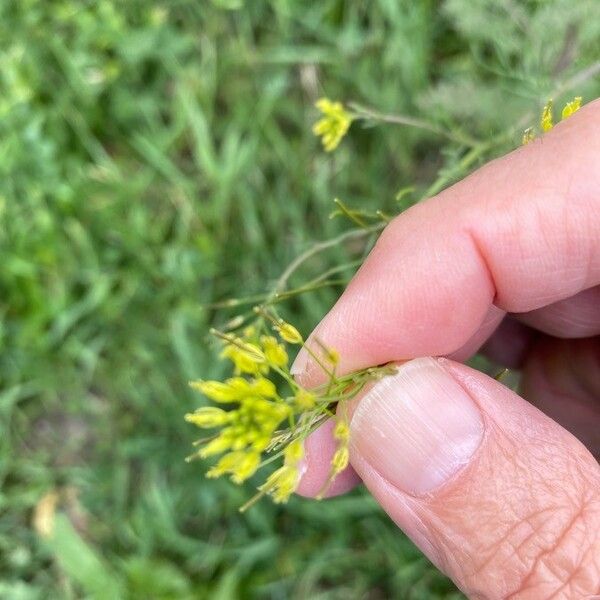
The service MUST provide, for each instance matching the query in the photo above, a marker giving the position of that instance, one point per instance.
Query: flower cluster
(333, 125)
(261, 413)
(547, 118)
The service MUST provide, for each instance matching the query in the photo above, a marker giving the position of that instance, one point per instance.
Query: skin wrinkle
(510, 516)
(494, 550)
(532, 536)
(580, 561)
(482, 257)
(549, 559)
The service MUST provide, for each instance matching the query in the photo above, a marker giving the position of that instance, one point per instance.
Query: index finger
(520, 233)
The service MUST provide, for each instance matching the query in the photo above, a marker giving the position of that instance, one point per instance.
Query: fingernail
(417, 428)
(299, 365)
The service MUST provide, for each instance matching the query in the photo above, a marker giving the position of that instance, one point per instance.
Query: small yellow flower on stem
(241, 465)
(334, 124)
(332, 356)
(264, 418)
(340, 460)
(341, 431)
(341, 457)
(245, 356)
(263, 387)
(304, 400)
(288, 333)
(274, 352)
(571, 107)
(546, 122)
(220, 444)
(294, 452)
(208, 416)
(281, 484)
(235, 389)
(217, 391)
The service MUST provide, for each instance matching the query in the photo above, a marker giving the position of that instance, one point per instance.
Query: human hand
(492, 489)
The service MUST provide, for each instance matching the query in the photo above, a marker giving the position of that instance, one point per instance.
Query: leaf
(81, 563)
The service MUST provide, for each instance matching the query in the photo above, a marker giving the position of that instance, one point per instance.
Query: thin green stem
(366, 113)
(317, 249)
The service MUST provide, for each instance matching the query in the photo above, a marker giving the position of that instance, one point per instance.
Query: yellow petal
(546, 122)
(215, 390)
(340, 460)
(571, 107)
(208, 416)
(294, 452)
(341, 431)
(288, 333)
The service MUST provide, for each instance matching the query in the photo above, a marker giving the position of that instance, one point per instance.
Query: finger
(576, 317)
(497, 495)
(562, 378)
(521, 233)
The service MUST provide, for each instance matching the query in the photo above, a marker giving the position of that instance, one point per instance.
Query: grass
(156, 157)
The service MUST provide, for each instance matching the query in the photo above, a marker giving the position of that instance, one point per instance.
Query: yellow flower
(246, 467)
(262, 418)
(263, 387)
(263, 412)
(216, 390)
(249, 332)
(288, 333)
(251, 425)
(571, 107)
(235, 389)
(241, 465)
(340, 460)
(281, 484)
(294, 452)
(220, 444)
(304, 400)
(546, 122)
(208, 416)
(246, 357)
(341, 431)
(334, 124)
(274, 352)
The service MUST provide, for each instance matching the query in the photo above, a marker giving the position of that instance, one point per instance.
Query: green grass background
(157, 156)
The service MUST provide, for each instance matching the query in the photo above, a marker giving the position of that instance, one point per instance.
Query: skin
(508, 261)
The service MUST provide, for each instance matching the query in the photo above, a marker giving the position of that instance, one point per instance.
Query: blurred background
(157, 156)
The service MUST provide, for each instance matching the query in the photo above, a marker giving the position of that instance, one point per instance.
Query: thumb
(498, 496)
